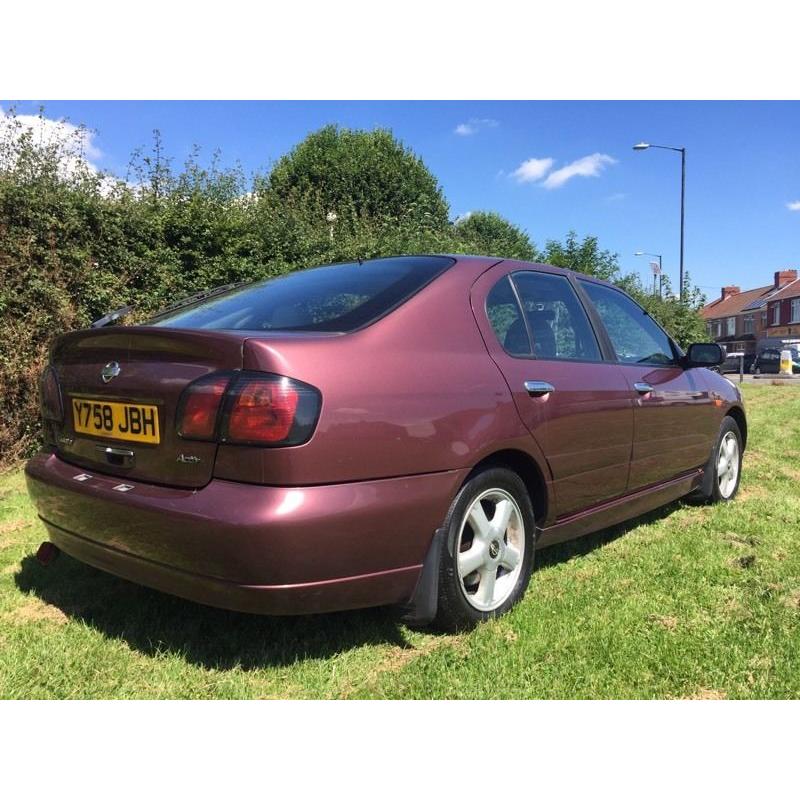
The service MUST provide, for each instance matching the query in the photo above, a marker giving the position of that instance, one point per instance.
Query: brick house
(783, 311)
(737, 319)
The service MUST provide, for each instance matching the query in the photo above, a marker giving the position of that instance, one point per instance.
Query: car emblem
(109, 371)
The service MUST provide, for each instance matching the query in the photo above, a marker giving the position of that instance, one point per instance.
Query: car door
(675, 423)
(577, 406)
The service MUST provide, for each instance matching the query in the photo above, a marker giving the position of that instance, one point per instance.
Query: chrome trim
(110, 371)
(539, 388)
(115, 455)
(643, 388)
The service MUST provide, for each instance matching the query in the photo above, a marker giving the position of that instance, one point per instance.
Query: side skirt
(619, 510)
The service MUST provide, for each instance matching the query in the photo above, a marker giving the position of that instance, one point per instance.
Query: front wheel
(488, 556)
(725, 464)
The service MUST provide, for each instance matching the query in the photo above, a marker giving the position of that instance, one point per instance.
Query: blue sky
(743, 165)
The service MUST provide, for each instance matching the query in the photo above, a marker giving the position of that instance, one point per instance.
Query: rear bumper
(262, 549)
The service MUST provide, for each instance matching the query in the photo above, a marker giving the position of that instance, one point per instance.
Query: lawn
(687, 602)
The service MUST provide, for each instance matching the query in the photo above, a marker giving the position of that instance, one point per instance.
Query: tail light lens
(50, 396)
(254, 408)
(199, 407)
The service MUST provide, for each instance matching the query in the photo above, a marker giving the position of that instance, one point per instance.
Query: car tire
(725, 464)
(486, 562)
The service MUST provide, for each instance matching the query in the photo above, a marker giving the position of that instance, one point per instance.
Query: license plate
(129, 422)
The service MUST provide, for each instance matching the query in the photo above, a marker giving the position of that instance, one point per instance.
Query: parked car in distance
(400, 431)
(768, 361)
(731, 363)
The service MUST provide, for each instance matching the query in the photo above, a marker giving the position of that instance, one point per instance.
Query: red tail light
(254, 408)
(50, 396)
(199, 407)
(262, 411)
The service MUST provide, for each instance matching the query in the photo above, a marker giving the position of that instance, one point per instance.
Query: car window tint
(337, 298)
(557, 321)
(636, 338)
(506, 320)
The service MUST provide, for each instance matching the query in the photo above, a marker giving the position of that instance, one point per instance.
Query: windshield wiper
(112, 317)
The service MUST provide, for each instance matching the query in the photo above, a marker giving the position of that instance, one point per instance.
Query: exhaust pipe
(47, 553)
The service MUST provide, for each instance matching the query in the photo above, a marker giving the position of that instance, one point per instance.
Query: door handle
(643, 388)
(539, 388)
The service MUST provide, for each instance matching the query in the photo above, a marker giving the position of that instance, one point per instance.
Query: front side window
(558, 324)
(636, 338)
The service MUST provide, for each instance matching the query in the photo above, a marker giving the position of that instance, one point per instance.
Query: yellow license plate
(129, 422)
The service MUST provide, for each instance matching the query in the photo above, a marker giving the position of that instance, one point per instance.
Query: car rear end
(186, 455)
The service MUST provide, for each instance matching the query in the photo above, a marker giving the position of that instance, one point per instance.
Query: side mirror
(707, 354)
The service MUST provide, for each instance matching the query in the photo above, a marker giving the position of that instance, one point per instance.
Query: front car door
(577, 406)
(675, 423)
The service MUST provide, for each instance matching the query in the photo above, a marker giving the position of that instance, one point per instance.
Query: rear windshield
(338, 298)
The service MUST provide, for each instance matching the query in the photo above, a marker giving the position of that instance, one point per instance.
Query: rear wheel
(488, 556)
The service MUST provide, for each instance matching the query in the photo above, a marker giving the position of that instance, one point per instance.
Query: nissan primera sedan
(400, 431)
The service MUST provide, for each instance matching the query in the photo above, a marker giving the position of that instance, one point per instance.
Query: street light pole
(682, 151)
(660, 271)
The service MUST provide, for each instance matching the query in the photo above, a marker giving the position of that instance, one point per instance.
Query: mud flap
(421, 609)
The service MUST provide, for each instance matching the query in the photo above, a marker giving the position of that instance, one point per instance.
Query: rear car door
(577, 407)
(675, 422)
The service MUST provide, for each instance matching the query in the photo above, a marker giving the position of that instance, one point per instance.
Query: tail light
(50, 396)
(199, 406)
(255, 408)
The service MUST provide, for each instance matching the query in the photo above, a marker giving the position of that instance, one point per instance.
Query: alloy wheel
(490, 549)
(728, 464)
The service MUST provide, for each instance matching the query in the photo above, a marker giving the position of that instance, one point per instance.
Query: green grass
(689, 601)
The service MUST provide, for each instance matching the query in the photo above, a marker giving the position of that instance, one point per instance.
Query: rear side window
(636, 338)
(338, 298)
(557, 322)
(506, 319)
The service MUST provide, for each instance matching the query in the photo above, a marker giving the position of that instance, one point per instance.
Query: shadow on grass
(566, 551)
(153, 623)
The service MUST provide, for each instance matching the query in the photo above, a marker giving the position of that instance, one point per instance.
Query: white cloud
(463, 217)
(472, 126)
(533, 169)
(586, 167)
(75, 145)
(794, 206)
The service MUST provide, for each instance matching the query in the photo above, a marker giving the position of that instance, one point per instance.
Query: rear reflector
(252, 408)
(199, 406)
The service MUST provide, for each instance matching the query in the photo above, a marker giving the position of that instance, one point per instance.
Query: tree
(582, 256)
(360, 176)
(489, 234)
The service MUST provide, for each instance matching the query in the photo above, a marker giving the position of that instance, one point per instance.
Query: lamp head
(641, 146)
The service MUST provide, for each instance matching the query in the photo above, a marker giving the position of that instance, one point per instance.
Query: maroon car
(399, 431)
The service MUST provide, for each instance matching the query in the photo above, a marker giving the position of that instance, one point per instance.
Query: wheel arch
(737, 414)
(528, 470)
